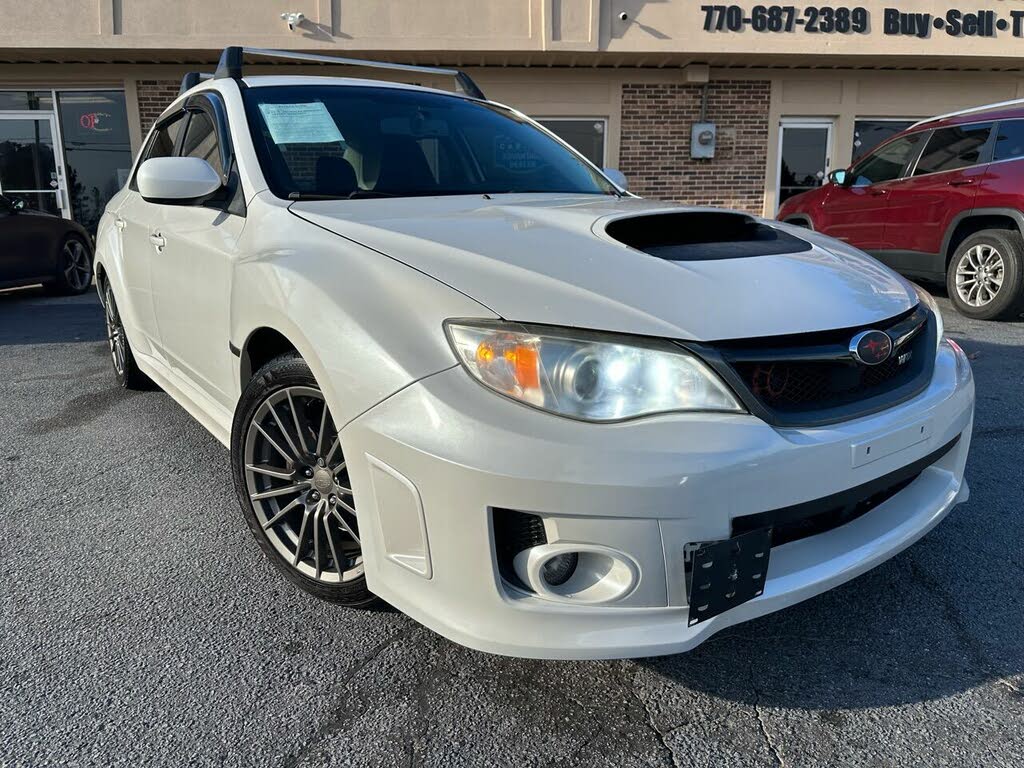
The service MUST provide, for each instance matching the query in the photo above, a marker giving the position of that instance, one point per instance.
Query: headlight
(584, 375)
(927, 299)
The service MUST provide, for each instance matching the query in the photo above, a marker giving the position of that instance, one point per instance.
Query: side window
(1009, 140)
(887, 163)
(201, 141)
(161, 144)
(164, 140)
(951, 148)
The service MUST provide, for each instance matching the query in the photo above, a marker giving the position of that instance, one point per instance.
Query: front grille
(820, 515)
(813, 379)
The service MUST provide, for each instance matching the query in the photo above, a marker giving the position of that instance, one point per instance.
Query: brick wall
(154, 96)
(655, 146)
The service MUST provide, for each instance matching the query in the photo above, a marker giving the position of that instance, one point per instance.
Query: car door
(855, 211)
(944, 183)
(137, 219)
(22, 244)
(193, 257)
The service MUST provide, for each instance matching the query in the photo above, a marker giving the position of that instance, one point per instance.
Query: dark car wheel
(127, 371)
(74, 266)
(985, 278)
(293, 484)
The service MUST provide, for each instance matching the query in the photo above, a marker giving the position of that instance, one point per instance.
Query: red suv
(944, 200)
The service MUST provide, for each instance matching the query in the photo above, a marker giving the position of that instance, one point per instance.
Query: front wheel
(985, 278)
(293, 483)
(125, 368)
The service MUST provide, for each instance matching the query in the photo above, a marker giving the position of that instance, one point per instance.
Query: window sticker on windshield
(300, 123)
(513, 155)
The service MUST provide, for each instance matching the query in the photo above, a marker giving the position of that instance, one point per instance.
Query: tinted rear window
(1009, 140)
(951, 148)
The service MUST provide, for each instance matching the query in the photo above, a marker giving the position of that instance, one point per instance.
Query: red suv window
(951, 148)
(886, 163)
(1009, 140)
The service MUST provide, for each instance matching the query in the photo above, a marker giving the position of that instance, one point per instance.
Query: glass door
(30, 166)
(805, 150)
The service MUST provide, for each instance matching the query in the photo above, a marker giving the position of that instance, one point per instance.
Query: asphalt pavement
(141, 626)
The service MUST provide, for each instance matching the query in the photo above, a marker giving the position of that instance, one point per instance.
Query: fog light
(559, 568)
(570, 572)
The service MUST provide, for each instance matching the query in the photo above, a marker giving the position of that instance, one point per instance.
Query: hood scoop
(703, 236)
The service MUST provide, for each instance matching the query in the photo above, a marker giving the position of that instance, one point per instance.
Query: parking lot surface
(140, 625)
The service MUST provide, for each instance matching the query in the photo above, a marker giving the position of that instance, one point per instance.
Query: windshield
(361, 141)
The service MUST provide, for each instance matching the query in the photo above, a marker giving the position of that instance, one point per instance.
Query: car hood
(548, 259)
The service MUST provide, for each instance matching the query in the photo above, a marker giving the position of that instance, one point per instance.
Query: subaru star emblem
(871, 347)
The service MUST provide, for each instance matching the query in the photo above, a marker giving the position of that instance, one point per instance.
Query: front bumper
(429, 464)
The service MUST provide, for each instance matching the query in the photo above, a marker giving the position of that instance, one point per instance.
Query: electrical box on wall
(703, 137)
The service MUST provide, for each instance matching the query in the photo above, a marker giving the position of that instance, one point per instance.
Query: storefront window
(94, 127)
(586, 136)
(868, 134)
(24, 100)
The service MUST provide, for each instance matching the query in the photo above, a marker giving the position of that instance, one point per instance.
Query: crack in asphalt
(418, 742)
(953, 616)
(346, 713)
(1013, 430)
(650, 718)
(759, 716)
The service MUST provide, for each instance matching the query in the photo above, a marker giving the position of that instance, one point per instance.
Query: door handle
(157, 240)
(879, 192)
(961, 182)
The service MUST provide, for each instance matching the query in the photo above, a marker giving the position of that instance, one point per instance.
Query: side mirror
(16, 203)
(616, 177)
(177, 180)
(839, 177)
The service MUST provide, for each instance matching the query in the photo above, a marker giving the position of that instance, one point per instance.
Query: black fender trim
(963, 216)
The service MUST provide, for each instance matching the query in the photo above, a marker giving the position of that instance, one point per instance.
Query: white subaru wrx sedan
(460, 369)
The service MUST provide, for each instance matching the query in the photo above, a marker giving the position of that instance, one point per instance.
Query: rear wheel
(985, 278)
(125, 368)
(292, 481)
(74, 265)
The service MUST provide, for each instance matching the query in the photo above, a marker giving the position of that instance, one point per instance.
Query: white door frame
(60, 190)
(828, 123)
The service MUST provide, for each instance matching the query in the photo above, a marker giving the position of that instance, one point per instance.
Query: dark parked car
(944, 200)
(37, 247)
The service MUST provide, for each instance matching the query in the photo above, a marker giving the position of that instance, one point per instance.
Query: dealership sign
(844, 20)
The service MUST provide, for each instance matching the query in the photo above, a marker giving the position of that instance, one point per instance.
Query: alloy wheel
(979, 275)
(77, 269)
(115, 334)
(299, 487)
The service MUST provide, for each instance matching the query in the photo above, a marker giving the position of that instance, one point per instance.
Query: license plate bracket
(728, 573)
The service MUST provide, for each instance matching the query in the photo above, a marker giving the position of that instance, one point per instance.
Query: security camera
(293, 19)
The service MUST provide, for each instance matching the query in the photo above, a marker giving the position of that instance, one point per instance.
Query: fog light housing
(598, 574)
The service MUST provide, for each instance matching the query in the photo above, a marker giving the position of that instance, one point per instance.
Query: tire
(985, 277)
(125, 368)
(293, 485)
(74, 267)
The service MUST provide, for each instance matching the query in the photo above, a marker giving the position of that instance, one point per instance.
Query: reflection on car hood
(547, 259)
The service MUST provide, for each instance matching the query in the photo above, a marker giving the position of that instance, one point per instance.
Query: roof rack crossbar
(231, 66)
(971, 111)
